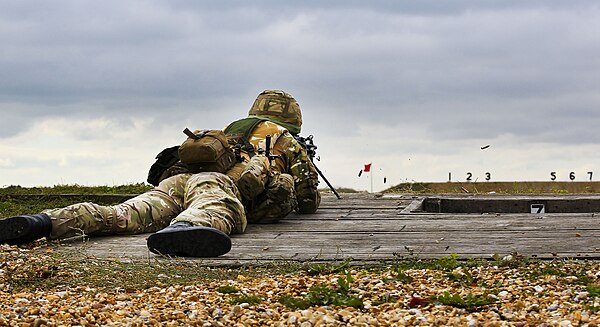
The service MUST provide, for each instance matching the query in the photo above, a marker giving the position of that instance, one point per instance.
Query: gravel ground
(507, 292)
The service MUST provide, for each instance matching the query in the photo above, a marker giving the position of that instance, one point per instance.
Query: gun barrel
(327, 182)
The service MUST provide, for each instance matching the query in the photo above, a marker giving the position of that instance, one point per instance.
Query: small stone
(237, 309)
(217, 313)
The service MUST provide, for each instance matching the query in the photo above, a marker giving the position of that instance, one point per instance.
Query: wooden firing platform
(372, 228)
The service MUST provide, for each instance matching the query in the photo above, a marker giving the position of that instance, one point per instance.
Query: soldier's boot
(24, 229)
(185, 240)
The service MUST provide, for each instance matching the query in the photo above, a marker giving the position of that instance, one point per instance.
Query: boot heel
(24, 229)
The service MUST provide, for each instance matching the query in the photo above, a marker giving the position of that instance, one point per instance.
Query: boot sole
(195, 241)
(13, 229)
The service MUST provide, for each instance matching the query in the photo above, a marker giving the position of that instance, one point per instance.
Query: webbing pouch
(206, 150)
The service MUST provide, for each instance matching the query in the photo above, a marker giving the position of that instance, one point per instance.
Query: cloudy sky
(91, 91)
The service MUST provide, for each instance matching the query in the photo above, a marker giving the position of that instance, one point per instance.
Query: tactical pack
(206, 150)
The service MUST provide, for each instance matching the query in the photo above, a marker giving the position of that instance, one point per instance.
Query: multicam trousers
(204, 199)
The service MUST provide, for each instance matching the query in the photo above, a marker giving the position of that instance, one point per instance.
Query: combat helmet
(277, 105)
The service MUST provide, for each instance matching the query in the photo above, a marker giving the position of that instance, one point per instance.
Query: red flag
(367, 168)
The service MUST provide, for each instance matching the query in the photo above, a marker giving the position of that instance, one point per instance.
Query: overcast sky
(91, 91)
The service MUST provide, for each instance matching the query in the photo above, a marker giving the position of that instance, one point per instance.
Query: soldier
(192, 214)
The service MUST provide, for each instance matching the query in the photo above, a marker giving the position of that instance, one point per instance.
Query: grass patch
(76, 189)
(322, 295)
(410, 188)
(594, 290)
(14, 200)
(470, 301)
(445, 263)
(327, 268)
(59, 271)
(465, 279)
(228, 289)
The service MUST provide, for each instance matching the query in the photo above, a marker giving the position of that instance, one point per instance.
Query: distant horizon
(94, 91)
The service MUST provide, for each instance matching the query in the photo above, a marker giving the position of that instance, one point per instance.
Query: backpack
(206, 150)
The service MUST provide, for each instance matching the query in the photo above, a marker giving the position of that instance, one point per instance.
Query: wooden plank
(376, 245)
(369, 228)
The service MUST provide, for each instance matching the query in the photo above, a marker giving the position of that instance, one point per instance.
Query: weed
(445, 263)
(295, 303)
(468, 302)
(399, 276)
(553, 272)
(325, 295)
(227, 289)
(465, 278)
(594, 290)
(327, 268)
(449, 262)
(320, 295)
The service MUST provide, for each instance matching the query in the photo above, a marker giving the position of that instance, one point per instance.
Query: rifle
(308, 144)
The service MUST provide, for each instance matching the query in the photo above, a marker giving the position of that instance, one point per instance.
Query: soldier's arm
(306, 178)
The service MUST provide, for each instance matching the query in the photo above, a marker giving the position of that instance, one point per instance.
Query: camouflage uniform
(204, 199)
(212, 199)
(290, 180)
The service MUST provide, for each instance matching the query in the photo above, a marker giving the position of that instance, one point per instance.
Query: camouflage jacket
(292, 159)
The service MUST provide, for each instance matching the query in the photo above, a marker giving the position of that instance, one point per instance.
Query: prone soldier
(192, 213)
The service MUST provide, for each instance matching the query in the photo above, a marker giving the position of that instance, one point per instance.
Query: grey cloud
(429, 63)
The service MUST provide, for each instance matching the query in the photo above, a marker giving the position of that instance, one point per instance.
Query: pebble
(518, 299)
(553, 307)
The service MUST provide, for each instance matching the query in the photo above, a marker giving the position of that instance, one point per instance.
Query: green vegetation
(17, 200)
(327, 268)
(465, 279)
(594, 290)
(76, 189)
(470, 301)
(410, 188)
(60, 271)
(42, 269)
(320, 295)
(68, 270)
(228, 289)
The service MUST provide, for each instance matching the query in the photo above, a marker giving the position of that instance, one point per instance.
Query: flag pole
(371, 180)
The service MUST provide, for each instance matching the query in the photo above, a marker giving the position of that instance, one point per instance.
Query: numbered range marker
(538, 208)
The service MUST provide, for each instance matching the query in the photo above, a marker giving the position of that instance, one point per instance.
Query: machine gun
(311, 149)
